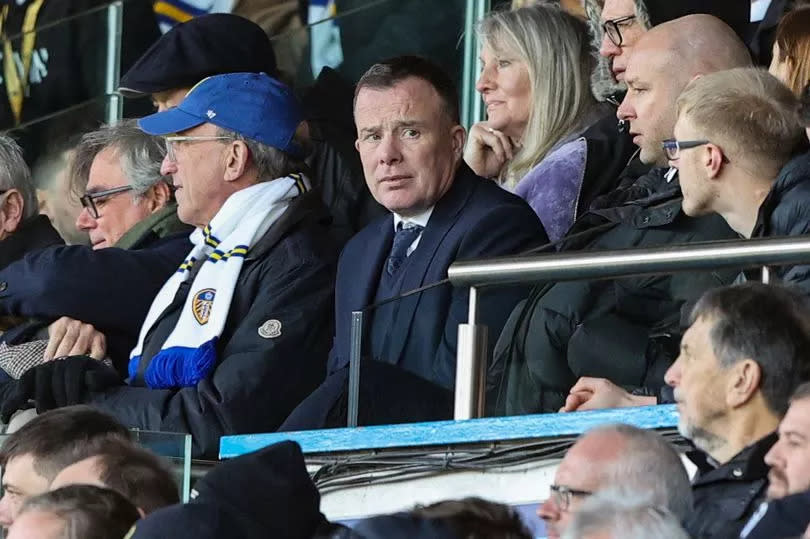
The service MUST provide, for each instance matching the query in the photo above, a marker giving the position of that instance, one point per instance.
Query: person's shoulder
(488, 199)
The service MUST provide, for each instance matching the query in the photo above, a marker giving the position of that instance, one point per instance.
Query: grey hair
(270, 162)
(88, 511)
(767, 323)
(602, 82)
(626, 515)
(15, 174)
(141, 156)
(648, 465)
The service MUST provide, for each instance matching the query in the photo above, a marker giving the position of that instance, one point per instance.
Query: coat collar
(307, 205)
(793, 174)
(747, 465)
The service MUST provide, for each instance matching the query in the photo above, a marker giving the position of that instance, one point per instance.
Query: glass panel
(46, 145)
(51, 65)
(175, 448)
(363, 33)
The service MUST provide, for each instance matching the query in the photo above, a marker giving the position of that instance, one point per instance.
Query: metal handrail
(570, 266)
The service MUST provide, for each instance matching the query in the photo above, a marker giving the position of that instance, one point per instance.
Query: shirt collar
(420, 219)
(759, 8)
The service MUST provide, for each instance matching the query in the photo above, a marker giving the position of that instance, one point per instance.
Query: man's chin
(775, 492)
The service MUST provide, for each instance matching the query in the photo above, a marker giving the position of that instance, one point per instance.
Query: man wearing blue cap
(239, 334)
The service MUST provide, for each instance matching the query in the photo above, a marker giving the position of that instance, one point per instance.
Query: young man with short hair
(35, 454)
(133, 471)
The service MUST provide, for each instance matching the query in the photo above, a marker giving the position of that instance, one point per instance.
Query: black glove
(15, 396)
(61, 382)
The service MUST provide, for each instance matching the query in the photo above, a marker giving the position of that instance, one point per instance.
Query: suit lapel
(368, 266)
(444, 216)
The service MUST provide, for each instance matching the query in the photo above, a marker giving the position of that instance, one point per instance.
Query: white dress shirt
(758, 9)
(420, 219)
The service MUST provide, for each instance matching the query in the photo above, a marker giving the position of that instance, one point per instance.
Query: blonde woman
(535, 82)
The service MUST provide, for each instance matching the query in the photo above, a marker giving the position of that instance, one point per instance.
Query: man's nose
(168, 166)
(772, 457)
(626, 111)
(673, 375)
(608, 49)
(388, 151)
(85, 221)
(548, 511)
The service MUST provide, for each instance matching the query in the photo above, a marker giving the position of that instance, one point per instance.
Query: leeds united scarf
(189, 353)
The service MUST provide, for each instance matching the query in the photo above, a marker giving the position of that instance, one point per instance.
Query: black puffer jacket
(786, 212)
(626, 330)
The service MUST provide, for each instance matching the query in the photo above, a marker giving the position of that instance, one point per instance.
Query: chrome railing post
(115, 23)
(356, 348)
(766, 274)
(471, 354)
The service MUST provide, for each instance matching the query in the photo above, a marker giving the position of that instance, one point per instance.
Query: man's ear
(714, 160)
(458, 136)
(11, 212)
(236, 160)
(159, 196)
(745, 378)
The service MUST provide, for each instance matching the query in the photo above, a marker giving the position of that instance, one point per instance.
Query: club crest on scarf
(202, 304)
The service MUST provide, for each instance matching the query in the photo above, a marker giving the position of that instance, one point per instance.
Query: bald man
(619, 458)
(596, 336)
(663, 63)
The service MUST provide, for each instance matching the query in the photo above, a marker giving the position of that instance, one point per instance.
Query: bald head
(663, 62)
(696, 45)
(628, 458)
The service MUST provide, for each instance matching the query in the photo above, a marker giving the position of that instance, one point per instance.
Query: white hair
(650, 466)
(15, 174)
(624, 515)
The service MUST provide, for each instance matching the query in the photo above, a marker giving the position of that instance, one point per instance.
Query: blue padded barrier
(453, 432)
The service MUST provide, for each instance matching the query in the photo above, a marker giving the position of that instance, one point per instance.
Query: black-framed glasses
(91, 201)
(673, 147)
(562, 495)
(613, 28)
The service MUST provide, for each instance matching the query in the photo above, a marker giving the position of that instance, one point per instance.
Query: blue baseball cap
(254, 105)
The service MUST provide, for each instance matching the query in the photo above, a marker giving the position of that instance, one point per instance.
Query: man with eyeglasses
(736, 143)
(665, 59)
(222, 43)
(571, 344)
(239, 333)
(620, 458)
(620, 23)
(127, 202)
(67, 300)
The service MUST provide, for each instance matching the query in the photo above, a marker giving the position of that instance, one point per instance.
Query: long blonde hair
(554, 45)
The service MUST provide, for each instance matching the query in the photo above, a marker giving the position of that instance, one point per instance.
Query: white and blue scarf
(189, 353)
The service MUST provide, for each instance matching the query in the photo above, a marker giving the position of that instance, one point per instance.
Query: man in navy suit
(411, 143)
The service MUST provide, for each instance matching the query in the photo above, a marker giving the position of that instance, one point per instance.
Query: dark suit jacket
(474, 219)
